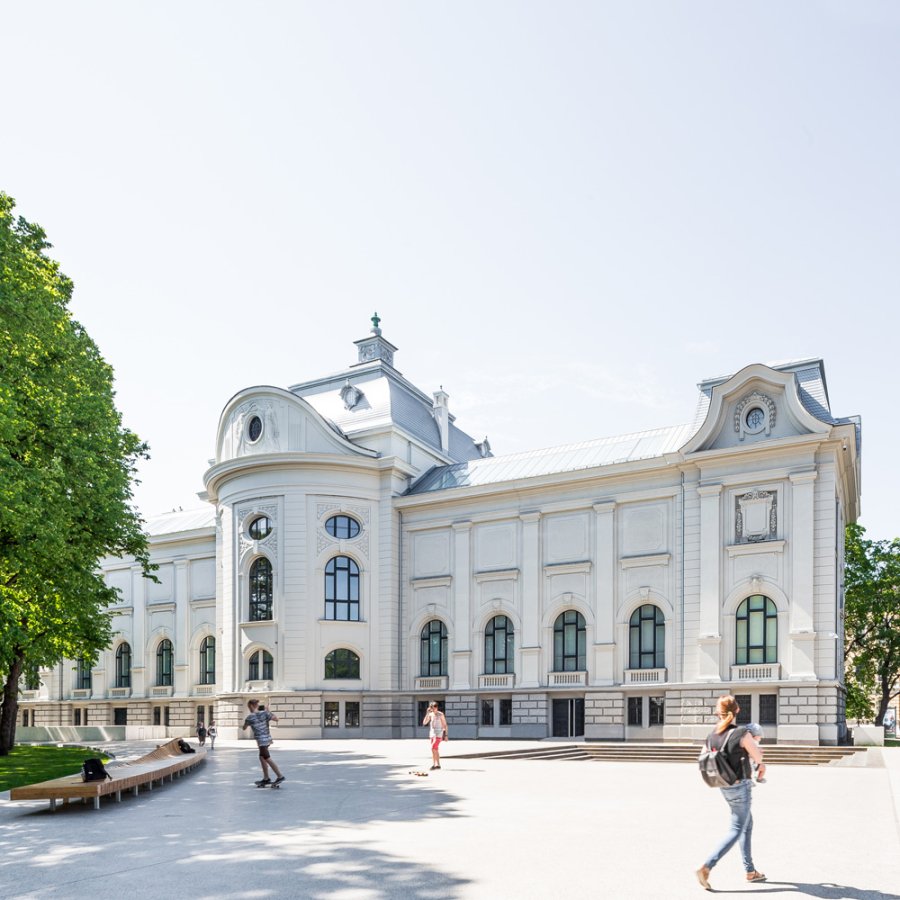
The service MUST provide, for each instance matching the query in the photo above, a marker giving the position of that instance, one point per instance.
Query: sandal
(755, 876)
(703, 878)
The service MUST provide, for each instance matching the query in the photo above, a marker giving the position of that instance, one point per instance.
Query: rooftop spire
(375, 347)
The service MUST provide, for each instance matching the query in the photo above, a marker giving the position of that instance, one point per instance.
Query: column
(182, 636)
(710, 638)
(138, 630)
(461, 655)
(531, 675)
(605, 593)
(802, 544)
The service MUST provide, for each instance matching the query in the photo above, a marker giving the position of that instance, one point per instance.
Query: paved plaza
(351, 823)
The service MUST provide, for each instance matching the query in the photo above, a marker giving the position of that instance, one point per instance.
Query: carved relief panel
(756, 516)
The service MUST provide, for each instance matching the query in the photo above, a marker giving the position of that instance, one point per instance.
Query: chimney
(441, 413)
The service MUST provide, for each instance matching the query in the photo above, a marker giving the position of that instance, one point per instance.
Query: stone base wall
(807, 713)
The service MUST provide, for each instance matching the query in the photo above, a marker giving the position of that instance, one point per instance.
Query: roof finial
(375, 322)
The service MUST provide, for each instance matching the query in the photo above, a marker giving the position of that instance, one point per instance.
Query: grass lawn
(29, 765)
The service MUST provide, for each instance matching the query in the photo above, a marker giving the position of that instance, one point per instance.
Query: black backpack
(715, 768)
(92, 770)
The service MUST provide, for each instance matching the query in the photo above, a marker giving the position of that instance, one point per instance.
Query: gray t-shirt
(259, 722)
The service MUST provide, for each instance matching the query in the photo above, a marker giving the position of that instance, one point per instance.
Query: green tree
(66, 470)
(871, 624)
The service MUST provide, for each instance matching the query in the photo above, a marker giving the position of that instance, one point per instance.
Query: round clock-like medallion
(254, 428)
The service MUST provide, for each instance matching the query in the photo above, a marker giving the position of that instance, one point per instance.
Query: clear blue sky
(567, 214)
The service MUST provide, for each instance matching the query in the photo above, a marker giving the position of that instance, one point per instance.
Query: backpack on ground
(185, 747)
(715, 768)
(92, 770)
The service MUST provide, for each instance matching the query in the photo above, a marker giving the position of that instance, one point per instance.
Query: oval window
(260, 527)
(254, 428)
(342, 527)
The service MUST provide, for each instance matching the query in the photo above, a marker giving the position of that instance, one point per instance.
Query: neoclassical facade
(359, 555)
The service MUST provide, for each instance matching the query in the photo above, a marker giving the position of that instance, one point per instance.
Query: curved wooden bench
(166, 761)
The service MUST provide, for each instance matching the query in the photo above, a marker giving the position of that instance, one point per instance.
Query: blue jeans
(741, 829)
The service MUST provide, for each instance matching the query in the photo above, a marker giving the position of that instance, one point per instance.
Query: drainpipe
(681, 656)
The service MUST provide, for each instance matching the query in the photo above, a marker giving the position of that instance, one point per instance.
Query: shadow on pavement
(214, 834)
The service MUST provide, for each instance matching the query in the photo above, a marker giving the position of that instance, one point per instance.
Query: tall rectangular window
(351, 714)
(487, 713)
(657, 711)
(744, 701)
(506, 711)
(635, 710)
(768, 709)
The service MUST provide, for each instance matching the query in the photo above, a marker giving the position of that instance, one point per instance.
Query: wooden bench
(166, 761)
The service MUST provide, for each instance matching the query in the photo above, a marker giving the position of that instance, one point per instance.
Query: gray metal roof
(555, 460)
(181, 520)
(388, 399)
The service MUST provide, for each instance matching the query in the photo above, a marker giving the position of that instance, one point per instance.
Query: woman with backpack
(738, 747)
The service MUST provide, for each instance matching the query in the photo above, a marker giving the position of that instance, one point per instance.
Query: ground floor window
(332, 713)
(745, 714)
(120, 715)
(657, 710)
(635, 710)
(768, 709)
(496, 711)
(26, 713)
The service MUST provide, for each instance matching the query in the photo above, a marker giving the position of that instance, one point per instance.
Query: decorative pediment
(757, 404)
(269, 420)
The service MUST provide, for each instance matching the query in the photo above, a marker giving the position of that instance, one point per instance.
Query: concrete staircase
(775, 754)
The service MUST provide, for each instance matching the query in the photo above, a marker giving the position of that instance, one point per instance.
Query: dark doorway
(568, 717)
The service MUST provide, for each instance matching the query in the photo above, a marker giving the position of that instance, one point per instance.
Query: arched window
(569, 642)
(261, 590)
(433, 644)
(342, 663)
(498, 646)
(647, 638)
(83, 675)
(123, 666)
(342, 589)
(260, 666)
(756, 631)
(164, 663)
(208, 660)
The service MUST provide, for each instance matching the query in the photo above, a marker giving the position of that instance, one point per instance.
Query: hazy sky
(567, 214)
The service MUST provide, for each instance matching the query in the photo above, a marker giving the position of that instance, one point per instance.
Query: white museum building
(359, 555)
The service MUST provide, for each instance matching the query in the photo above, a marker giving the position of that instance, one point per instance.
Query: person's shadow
(824, 891)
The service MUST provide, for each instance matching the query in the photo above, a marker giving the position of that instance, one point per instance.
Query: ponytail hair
(727, 709)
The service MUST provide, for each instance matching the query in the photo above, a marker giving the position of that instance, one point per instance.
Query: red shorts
(435, 742)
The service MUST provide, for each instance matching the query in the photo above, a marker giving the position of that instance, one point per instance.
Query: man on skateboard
(258, 720)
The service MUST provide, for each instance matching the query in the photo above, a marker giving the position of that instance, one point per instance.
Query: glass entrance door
(568, 717)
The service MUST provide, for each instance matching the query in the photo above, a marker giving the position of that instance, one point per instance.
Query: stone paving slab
(351, 823)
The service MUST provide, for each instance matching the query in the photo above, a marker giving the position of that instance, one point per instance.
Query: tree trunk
(10, 709)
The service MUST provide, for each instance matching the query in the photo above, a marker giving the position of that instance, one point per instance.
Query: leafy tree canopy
(871, 624)
(66, 469)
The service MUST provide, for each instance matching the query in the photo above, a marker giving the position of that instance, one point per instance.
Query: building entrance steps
(775, 754)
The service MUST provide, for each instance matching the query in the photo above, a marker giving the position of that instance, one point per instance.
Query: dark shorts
(264, 752)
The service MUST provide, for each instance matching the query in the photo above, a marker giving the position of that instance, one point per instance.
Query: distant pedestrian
(437, 732)
(201, 733)
(212, 733)
(755, 731)
(258, 720)
(740, 749)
